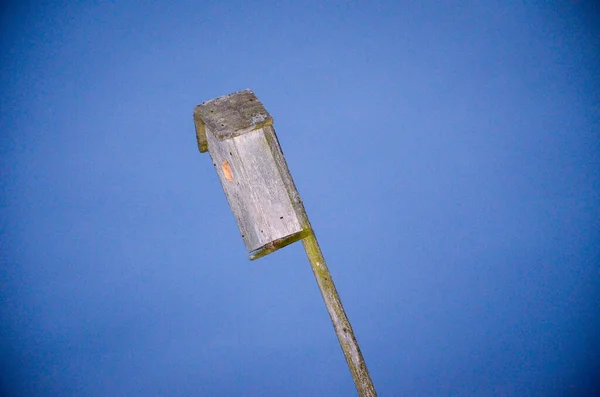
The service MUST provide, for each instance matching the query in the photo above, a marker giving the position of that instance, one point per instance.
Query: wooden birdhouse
(238, 133)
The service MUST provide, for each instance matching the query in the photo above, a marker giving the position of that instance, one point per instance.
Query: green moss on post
(343, 329)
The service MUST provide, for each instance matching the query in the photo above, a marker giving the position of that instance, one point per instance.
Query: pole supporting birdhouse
(238, 133)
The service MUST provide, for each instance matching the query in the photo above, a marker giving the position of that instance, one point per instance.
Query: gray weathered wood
(228, 116)
(237, 132)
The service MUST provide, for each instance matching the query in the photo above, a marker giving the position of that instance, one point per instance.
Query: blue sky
(447, 155)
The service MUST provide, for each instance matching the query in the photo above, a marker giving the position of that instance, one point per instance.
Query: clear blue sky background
(447, 154)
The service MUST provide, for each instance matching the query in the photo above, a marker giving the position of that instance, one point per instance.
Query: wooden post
(238, 133)
(341, 324)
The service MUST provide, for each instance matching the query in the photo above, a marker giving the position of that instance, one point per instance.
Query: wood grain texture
(248, 159)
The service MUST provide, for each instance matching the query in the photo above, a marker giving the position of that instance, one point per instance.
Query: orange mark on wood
(227, 171)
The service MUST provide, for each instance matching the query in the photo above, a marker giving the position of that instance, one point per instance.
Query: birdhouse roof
(229, 116)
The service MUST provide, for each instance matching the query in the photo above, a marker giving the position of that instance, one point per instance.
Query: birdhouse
(238, 133)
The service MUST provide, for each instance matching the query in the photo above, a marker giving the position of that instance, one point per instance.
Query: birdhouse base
(279, 243)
